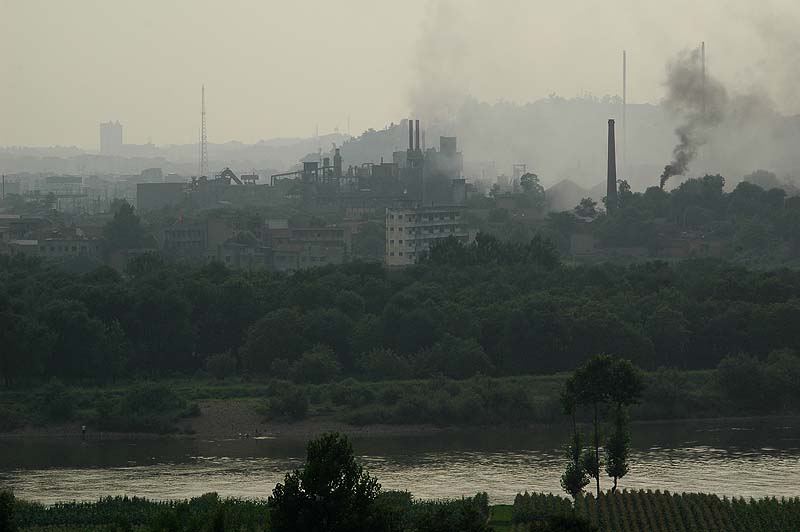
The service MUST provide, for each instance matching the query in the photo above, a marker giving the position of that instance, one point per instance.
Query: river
(748, 457)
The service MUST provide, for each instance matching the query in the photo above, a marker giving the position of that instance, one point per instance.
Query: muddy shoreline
(226, 419)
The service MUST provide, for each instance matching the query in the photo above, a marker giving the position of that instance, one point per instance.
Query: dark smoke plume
(700, 100)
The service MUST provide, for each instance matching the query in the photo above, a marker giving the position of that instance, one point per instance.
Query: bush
(221, 365)
(783, 374)
(9, 419)
(465, 515)
(57, 403)
(454, 357)
(146, 407)
(666, 395)
(149, 399)
(351, 393)
(316, 366)
(289, 403)
(742, 380)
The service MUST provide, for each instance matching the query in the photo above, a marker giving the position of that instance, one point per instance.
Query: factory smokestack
(410, 134)
(416, 135)
(611, 184)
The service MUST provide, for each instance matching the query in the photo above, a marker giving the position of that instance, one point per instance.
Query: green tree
(618, 446)
(575, 477)
(276, 336)
(533, 189)
(316, 366)
(125, 230)
(370, 241)
(603, 380)
(7, 503)
(587, 208)
(26, 345)
(331, 492)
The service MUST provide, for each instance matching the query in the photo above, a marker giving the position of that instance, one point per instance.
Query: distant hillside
(566, 139)
(556, 138)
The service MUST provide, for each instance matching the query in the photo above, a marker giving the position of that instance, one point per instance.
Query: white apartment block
(411, 231)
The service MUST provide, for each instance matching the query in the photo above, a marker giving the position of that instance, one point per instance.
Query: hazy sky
(279, 68)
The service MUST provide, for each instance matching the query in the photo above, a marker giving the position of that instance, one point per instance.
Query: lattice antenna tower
(203, 136)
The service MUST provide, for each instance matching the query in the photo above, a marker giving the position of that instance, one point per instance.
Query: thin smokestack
(410, 134)
(624, 157)
(611, 184)
(416, 135)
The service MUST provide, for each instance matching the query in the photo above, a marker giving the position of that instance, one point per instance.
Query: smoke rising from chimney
(700, 100)
(442, 69)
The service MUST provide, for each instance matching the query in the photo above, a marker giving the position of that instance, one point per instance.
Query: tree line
(490, 307)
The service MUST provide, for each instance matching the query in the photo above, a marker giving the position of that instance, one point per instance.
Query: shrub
(455, 357)
(57, 403)
(351, 393)
(146, 407)
(221, 365)
(289, 403)
(9, 419)
(316, 366)
(149, 399)
(666, 394)
(466, 515)
(742, 380)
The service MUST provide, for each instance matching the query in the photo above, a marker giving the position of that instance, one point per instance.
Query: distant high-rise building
(110, 138)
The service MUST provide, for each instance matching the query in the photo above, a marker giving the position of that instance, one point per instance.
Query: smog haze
(277, 69)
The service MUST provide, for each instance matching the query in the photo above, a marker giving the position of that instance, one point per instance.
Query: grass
(500, 519)
(438, 401)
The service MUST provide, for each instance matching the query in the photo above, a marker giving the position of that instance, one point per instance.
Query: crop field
(654, 511)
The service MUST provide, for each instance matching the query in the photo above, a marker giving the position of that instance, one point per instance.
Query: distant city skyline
(282, 70)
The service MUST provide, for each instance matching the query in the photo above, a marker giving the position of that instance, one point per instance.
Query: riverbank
(224, 419)
(245, 408)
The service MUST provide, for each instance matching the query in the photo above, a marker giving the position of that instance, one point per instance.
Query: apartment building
(411, 231)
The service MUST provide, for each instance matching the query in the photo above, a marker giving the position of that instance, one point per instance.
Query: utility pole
(624, 114)
(203, 136)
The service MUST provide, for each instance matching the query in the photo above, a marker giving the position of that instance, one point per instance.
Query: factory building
(411, 231)
(155, 196)
(419, 175)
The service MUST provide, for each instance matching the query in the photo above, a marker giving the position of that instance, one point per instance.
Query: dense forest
(489, 308)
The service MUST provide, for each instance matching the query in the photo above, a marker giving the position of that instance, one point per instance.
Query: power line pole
(203, 136)
(624, 114)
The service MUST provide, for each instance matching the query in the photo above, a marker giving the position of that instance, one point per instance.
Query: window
(401, 253)
(391, 241)
(400, 229)
(391, 254)
(391, 229)
(399, 216)
(400, 242)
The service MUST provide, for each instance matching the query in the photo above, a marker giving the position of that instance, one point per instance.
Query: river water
(750, 458)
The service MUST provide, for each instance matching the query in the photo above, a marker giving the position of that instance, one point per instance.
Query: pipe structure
(611, 183)
(416, 135)
(410, 134)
